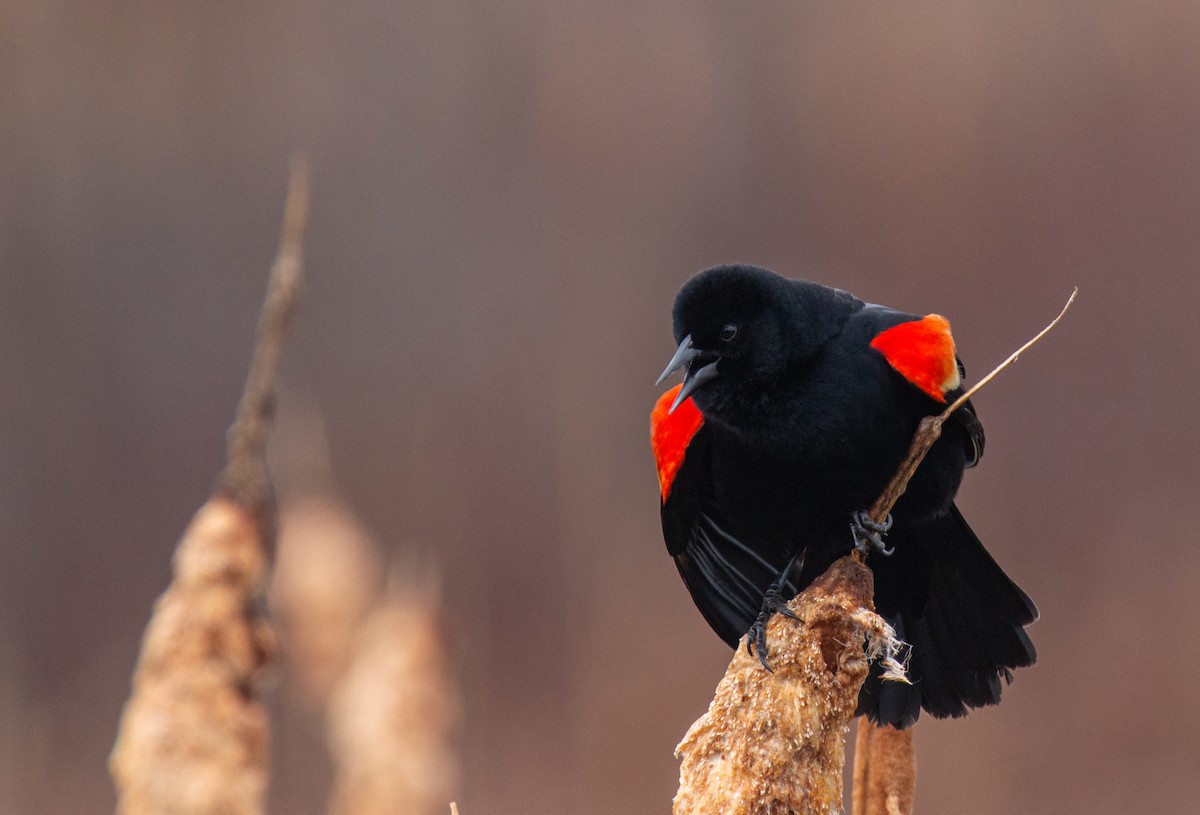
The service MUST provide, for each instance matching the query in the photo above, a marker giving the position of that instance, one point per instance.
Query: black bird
(798, 403)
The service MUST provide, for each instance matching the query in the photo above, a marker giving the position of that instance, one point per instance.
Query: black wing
(726, 577)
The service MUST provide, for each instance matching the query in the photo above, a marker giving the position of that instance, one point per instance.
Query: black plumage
(803, 423)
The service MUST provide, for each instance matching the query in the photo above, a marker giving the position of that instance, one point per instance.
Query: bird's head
(740, 328)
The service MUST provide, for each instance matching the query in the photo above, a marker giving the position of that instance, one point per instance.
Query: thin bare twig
(1013, 357)
(930, 427)
(245, 475)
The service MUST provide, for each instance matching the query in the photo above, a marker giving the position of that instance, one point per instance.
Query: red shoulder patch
(922, 351)
(670, 434)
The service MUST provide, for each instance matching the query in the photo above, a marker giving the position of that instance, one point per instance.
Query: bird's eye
(728, 332)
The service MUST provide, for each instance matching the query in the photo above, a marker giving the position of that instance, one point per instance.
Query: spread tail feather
(962, 615)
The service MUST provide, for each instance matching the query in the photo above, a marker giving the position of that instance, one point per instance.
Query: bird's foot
(868, 534)
(757, 635)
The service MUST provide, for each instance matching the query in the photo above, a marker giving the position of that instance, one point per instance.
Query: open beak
(695, 377)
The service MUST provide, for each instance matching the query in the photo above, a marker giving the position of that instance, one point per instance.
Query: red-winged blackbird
(798, 404)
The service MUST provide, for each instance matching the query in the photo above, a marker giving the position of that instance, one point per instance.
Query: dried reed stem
(245, 475)
(885, 770)
(773, 742)
(327, 579)
(193, 738)
(391, 718)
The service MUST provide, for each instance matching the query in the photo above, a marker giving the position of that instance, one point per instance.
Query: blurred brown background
(506, 197)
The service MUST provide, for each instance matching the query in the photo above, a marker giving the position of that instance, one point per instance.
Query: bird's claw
(868, 534)
(756, 637)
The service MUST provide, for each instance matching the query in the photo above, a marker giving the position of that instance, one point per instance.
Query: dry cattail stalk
(193, 738)
(885, 770)
(391, 718)
(773, 742)
(327, 578)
